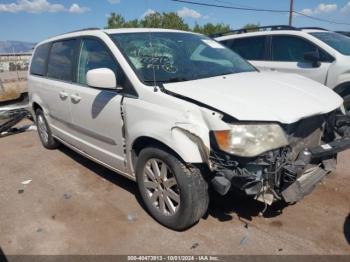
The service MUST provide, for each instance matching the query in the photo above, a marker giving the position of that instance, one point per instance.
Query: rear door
(287, 55)
(58, 85)
(96, 113)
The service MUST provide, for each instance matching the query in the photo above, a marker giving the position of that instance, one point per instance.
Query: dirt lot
(73, 206)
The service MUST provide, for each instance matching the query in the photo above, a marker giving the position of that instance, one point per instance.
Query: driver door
(287, 55)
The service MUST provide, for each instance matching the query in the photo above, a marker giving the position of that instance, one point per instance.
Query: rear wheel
(44, 131)
(175, 195)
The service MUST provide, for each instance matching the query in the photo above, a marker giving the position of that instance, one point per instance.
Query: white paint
(212, 43)
(253, 96)
(181, 125)
(330, 74)
(101, 78)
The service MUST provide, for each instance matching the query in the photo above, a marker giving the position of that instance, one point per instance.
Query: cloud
(76, 9)
(39, 6)
(31, 6)
(148, 12)
(187, 12)
(346, 8)
(113, 2)
(321, 8)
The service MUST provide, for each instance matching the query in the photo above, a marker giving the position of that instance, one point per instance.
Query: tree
(132, 24)
(173, 21)
(210, 29)
(153, 20)
(169, 20)
(115, 21)
(251, 27)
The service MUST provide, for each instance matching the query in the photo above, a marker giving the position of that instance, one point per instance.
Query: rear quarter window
(38, 64)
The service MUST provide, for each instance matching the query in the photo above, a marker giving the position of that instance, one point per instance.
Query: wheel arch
(36, 106)
(174, 147)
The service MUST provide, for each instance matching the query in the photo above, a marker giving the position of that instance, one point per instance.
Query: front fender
(182, 129)
(187, 147)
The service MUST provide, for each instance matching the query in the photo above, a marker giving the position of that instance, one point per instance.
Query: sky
(36, 20)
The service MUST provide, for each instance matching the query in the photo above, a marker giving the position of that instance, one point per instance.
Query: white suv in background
(177, 111)
(316, 53)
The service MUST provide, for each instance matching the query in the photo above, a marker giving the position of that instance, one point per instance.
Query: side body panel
(318, 74)
(97, 124)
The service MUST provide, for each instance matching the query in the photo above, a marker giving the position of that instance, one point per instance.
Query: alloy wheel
(161, 187)
(42, 128)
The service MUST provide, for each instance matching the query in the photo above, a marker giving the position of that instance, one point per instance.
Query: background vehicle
(316, 53)
(176, 111)
(344, 33)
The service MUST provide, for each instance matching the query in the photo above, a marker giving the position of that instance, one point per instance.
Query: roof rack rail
(80, 30)
(256, 29)
(83, 29)
(313, 27)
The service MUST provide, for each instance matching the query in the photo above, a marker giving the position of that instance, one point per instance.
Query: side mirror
(101, 78)
(313, 57)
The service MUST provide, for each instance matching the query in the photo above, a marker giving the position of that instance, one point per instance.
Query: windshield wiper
(170, 80)
(175, 79)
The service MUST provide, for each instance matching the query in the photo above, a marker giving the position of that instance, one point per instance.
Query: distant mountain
(15, 47)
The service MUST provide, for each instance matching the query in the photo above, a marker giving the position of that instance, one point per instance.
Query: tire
(44, 131)
(190, 187)
(347, 103)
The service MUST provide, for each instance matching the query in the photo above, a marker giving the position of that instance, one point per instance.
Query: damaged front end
(289, 172)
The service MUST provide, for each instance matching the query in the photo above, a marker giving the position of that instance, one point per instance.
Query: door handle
(63, 95)
(273, 69)
(75, 98)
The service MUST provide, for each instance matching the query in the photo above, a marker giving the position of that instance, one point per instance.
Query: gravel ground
(74, 206)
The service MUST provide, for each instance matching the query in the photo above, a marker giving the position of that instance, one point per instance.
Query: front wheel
(175, 195)
(347, 103)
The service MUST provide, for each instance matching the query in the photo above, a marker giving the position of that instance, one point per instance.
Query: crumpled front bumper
(305, 184)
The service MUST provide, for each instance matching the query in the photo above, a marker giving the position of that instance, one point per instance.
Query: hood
(256, 96)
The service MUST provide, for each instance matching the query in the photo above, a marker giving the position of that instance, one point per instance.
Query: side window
(292, 49)
(61, 60)
(94, 54)
(250, 48)
(38, 65)
(227, 43)
(325, 57)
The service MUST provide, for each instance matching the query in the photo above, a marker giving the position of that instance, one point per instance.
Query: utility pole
(291, 13)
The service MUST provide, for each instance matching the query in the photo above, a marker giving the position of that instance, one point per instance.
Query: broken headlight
(249, 140)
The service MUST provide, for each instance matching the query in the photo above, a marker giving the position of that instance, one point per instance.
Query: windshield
(175, 57)
(339, 42)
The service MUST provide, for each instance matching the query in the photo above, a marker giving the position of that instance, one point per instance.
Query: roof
(267, 30)
(92, 31)
(262, 33)
(141, 30)
(314, 30)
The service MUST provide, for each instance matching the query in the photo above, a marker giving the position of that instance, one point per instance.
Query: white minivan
(178, 112)
(316, 53)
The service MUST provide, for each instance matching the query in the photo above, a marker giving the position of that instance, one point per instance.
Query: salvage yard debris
(11, 113)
